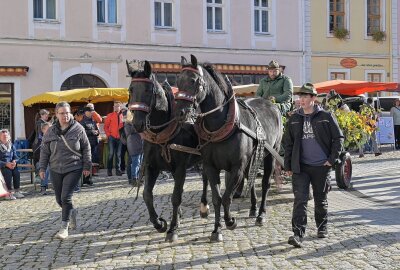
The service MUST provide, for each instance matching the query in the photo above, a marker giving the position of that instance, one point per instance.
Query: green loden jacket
(281, 88)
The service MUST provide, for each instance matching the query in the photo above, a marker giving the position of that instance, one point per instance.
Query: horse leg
(179, 177)
(151, 176)
(231, 184)
(268, 168)
(204, 208)
(215, 182)
(253, 200)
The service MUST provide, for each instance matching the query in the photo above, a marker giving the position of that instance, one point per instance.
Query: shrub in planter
(378, 36)
(340, 33)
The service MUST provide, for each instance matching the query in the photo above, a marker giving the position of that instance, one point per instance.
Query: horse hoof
(216, 237)
(162, 228)
(171, 237)
(204, 214)
(252, 213)
(233, 224)
(204, 210)
(260, 221)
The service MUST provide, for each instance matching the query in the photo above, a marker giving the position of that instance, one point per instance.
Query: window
(336, 14)
(338, 75)
(373, 16)
(44, 9)
(82, 81)
(261, 16)
(163, 14)
(374, 77)
(214, 15)
(107, 11)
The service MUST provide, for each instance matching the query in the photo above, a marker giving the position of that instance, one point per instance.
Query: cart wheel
(343, 171)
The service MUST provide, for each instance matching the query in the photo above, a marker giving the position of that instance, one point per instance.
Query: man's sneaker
(77, 189)
(11, 197)
(73, 223)
(361, 156)
(378, 154)
(322, 234)
(18, 195)
(109, 173)
(118, 173)
(295, 241)
(63, 232)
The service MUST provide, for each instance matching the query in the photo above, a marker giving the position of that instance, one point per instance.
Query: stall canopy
(93, 95)
(353, 88)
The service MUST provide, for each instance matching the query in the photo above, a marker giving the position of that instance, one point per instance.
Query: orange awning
(353, 88)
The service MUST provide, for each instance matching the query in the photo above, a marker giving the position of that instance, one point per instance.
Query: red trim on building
(13, 70)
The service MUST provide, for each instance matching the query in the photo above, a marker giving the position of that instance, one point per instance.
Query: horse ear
(147, 69)
(166, 86)
(183, 61)
(129, 68)
(193, 59)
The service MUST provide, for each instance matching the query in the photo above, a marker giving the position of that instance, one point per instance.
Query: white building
(53, 45)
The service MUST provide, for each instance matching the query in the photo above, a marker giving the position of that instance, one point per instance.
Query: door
(6, 108)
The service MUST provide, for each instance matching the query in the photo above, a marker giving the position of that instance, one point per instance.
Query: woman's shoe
(63, 232)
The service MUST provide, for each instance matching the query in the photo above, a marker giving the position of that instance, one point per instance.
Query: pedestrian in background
(395, 113)
(8, 165)
(44, 117)
(369, 111)
(66, 151)
(44, 183)
(135, 150)
(92, 132)
(112, 125)
(312, 142)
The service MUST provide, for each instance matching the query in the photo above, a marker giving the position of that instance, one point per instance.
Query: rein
(164, 136)
(140, 106)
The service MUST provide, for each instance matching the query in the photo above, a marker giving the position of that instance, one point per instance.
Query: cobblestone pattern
(114, 232)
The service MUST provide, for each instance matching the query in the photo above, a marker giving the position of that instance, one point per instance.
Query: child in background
(44, 183)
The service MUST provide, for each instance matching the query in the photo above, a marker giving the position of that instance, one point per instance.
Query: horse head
(197, 84)
(191, 87)
(145, 94)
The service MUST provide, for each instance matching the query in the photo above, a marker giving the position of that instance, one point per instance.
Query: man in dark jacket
(312, 142)
(277, 87)
(92, 132)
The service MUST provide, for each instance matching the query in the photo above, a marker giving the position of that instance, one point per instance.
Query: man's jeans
(64, 184)
(114, 148)
(135, 162)
(318, 177)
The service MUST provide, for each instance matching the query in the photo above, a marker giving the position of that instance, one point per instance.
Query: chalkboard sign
(385, 132)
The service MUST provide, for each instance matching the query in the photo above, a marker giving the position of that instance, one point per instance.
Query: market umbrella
(353, 88)
(93, 95)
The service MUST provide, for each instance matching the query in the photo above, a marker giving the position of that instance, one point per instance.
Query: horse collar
(225, 131)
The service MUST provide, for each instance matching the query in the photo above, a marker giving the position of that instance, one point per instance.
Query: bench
(29, 167)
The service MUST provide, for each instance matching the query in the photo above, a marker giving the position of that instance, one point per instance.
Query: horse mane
(218, 79)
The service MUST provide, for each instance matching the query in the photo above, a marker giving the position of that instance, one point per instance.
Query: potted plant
(340, 33)
(378, 36)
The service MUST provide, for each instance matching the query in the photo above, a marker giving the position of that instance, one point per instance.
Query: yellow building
(349, 40)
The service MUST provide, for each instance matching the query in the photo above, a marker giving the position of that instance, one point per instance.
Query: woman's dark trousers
(64, 184)
(11, 177)
(318, 177)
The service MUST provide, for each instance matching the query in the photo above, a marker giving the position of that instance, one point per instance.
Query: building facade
(53, 45)
(351, 40)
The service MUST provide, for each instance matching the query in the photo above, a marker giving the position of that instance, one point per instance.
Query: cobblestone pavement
(114, 231)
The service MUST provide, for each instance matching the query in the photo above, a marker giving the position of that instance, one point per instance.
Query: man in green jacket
(277, 87)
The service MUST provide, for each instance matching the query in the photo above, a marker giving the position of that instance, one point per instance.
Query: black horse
(152, 106)
(225, 128)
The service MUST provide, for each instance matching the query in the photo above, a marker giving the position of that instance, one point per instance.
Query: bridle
(141, 106)
(192, 98)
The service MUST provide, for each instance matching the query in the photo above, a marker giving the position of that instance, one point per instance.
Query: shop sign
(348, 62)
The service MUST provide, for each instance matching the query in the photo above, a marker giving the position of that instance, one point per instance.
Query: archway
(82, 81)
